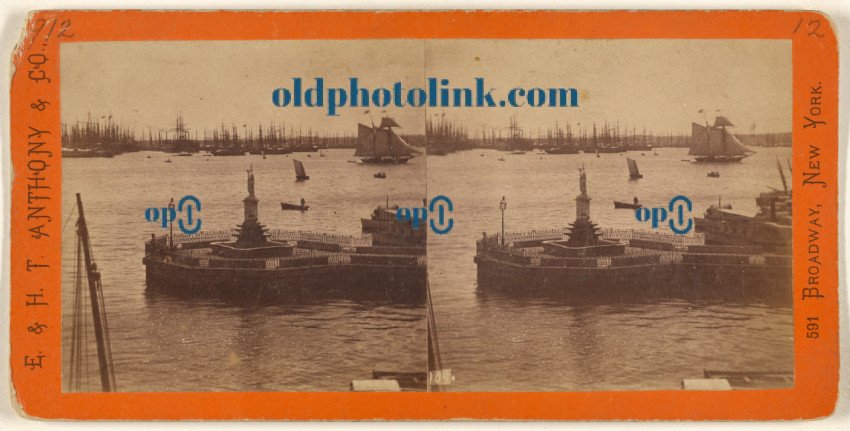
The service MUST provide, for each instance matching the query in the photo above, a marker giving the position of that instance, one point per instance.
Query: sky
(657, 84)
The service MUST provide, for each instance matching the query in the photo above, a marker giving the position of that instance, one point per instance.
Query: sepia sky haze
(656, 84)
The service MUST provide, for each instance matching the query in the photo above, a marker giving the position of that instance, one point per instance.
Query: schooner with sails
(381, 144)
(715, 143)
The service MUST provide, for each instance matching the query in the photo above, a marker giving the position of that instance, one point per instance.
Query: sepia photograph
(224, 243)
(639, 239)
(427, 215)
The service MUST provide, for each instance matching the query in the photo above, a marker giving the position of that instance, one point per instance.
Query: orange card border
(38, 390)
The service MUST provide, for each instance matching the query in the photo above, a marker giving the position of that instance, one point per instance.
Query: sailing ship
(443, 137)
(381, 144)
(634, 174)
(715, 143)
(638, 142)
(561, 144)
(608, 140)
(516, 143)
(179, 140)
(300, 173)
(96, 138)
(79, 348)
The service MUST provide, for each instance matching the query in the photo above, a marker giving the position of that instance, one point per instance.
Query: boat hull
(384, 161)
(626, 205)
(292, 207)
(561, 150)
(719, 159)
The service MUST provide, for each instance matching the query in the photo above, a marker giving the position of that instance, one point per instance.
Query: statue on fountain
(582, 232)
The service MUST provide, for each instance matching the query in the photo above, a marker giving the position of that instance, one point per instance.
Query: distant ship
(770, 227)
(232, 151)
(387, 230)
(560, 144)
(381, 144)
(715, 143)
(443, 137)
(516, 140)
(70, 153)
(561, 150)
(179, 140)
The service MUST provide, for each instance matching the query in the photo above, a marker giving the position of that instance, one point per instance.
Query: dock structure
(280, 265)
(590, 263)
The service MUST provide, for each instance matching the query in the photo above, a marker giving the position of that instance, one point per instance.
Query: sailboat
(300, 173)
(77, 372)
(381, 144)
(715, 143)
(633, 169)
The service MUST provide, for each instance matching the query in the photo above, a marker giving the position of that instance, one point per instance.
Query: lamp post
(171, 224)
(502, 206)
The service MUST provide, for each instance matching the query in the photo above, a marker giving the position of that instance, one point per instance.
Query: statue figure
(251, 182)
(582, 181)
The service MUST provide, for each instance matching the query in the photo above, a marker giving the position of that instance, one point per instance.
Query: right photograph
(625, 224)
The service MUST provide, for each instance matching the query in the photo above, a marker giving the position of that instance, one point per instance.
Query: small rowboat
(285, 206)
(626, 205)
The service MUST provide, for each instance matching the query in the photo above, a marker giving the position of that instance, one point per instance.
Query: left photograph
(218, 239)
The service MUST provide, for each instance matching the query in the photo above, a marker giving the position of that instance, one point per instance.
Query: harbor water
(495, 342)
(167, 343)
(492, 342)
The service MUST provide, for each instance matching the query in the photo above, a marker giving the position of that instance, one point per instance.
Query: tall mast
(104, 352)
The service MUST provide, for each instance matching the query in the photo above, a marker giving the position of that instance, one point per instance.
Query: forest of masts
(105, 133)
